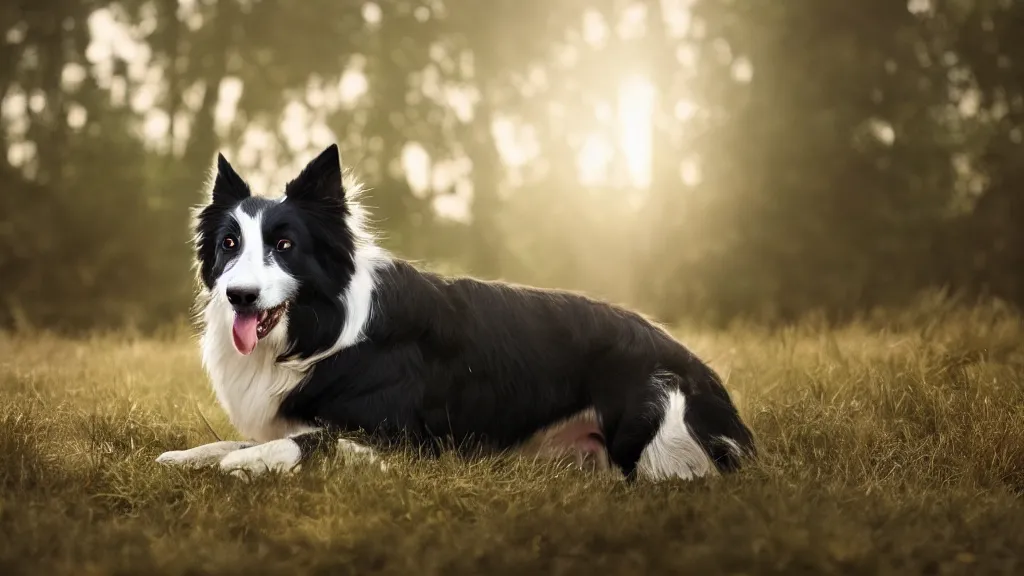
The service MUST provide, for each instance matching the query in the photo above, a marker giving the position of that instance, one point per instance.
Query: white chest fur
(249, 388)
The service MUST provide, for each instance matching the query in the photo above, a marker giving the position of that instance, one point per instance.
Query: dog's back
(501, 362)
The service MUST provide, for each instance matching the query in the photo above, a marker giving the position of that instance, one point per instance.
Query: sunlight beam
(635, 116)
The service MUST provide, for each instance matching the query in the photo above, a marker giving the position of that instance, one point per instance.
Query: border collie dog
(310, 332)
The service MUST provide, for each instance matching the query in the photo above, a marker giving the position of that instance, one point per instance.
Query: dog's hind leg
(289, 454)
(699, 430)
(202, 456)
(674, 452)
(661, 425)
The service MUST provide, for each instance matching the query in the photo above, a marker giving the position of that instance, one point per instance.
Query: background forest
(699, 159)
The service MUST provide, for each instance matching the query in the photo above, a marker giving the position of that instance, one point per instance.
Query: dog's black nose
(243, 296)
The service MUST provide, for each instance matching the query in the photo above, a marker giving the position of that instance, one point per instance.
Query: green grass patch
(892, 446)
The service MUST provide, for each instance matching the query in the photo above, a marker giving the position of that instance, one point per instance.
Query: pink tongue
(244, 331)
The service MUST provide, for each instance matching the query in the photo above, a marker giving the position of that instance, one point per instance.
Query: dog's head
(277, 266)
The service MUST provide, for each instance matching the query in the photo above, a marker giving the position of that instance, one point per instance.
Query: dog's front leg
(288, 454)
(202, 456)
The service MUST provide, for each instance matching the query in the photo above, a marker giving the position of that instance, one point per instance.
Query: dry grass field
(892, 446)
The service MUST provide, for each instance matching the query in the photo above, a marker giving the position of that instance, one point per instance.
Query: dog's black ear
(228, 186)
(320, 180)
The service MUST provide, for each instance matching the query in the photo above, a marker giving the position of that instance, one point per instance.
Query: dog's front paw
(278, 455)
(176, 458)
(200, 456)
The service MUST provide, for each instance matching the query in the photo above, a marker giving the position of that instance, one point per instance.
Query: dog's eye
(229, 243)
(284, 244)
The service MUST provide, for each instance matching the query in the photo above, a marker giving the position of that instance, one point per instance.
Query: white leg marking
(277, 455)
(673, 452)
(283, 456)
(201, 456)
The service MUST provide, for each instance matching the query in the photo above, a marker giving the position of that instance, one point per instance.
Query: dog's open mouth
(249, 329)
(267, 319)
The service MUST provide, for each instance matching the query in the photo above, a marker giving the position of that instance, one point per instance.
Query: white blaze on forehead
(250, 262)
(253, 269)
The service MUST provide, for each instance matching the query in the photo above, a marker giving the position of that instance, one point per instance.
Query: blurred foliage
(806, 156)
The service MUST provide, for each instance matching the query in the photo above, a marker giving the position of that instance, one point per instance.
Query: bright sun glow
(634, 132)
(636, 111)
